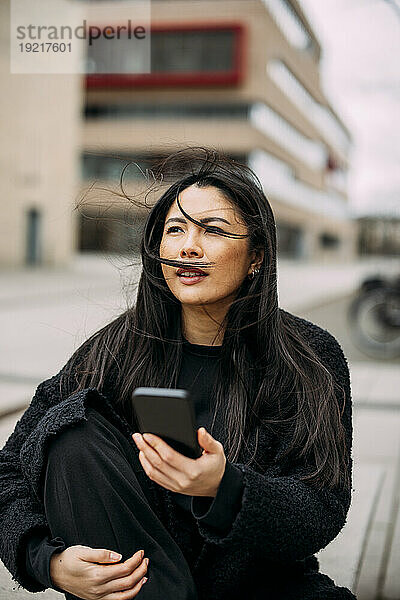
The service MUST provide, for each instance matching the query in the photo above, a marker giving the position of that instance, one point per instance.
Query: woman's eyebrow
(205, 220)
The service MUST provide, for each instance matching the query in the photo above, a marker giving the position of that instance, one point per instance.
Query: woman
(273, 407)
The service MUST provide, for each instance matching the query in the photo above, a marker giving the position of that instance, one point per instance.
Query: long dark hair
(269, 375)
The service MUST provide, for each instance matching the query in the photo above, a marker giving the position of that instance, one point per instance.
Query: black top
(197, 374)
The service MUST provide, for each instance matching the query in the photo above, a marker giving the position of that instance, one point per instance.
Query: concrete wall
(39, 158)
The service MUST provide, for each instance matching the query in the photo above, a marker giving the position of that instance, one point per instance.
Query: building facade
(40, 118)
(241, 76)
(379, 235)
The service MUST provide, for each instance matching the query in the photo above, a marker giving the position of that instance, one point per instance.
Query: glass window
(115, 231)
(173, 52)
(268, 121)
(33, 237)
(279, 181)
(290, 23)
(109, 167)
(192, 51)
(328, 240)
(313, 110)
(289, 240)
(166, 111)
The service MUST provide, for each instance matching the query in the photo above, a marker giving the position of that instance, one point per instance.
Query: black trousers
(92, 497)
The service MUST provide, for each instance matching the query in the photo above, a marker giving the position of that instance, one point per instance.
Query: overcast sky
(361, 76)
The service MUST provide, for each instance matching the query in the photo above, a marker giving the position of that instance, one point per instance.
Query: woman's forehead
(202, 202)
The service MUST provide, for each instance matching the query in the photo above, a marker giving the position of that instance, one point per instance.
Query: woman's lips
(192, 279)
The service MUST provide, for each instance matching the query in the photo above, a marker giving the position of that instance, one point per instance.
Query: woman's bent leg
(92, 497)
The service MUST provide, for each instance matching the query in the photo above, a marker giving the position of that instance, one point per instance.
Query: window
(328, 240)
(290, 24)
(180, 55)
(279, 181)
(166, 111)
(278, 129)
(289, 240)
(109, 167)
(320, 115)
(33, 237)
(192, 51)
(115, 231)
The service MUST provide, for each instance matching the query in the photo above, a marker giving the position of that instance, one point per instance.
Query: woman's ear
(257, 257)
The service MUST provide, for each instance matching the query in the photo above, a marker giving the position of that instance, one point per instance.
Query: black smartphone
(168, 413)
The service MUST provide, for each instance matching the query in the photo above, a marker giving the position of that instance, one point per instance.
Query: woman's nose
(191, 248)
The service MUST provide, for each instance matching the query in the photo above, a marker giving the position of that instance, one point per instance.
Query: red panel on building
(230, 76)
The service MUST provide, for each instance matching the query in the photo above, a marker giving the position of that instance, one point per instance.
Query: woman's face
(185, 241)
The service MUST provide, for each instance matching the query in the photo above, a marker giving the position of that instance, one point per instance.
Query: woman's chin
(192, 295)
(193, 299)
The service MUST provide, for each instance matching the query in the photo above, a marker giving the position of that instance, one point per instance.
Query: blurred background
(304, 92)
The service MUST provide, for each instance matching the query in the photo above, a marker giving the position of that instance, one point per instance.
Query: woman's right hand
(77, 570)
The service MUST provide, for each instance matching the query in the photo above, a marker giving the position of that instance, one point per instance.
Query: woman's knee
(84, 454)
(72, 443)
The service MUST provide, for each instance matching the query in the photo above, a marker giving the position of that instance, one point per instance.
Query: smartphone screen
(168, 413)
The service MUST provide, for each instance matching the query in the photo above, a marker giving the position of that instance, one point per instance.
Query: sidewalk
(45, 314)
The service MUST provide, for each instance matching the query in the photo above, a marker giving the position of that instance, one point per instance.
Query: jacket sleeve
(39, 551)
(220, 512)
(282, 518)
(21, 514)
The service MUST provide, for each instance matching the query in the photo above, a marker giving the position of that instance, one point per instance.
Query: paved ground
(366, 555)
(45, 314)
(374, 383)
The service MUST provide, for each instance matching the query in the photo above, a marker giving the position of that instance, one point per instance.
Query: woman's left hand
(178, 473)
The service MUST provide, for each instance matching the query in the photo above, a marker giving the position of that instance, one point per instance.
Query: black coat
(282, 521)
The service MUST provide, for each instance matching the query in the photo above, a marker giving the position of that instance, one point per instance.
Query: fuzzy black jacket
(281, 524)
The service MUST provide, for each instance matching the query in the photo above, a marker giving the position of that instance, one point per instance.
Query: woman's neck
(200, 328)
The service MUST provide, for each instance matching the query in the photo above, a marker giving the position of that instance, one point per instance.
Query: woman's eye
(209, 229)
(171, 229)
(212, 229)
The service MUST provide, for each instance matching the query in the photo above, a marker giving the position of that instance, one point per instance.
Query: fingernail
(136, 437)
(144, 580)
(115, 556)
(147, 561)
(141, 554)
